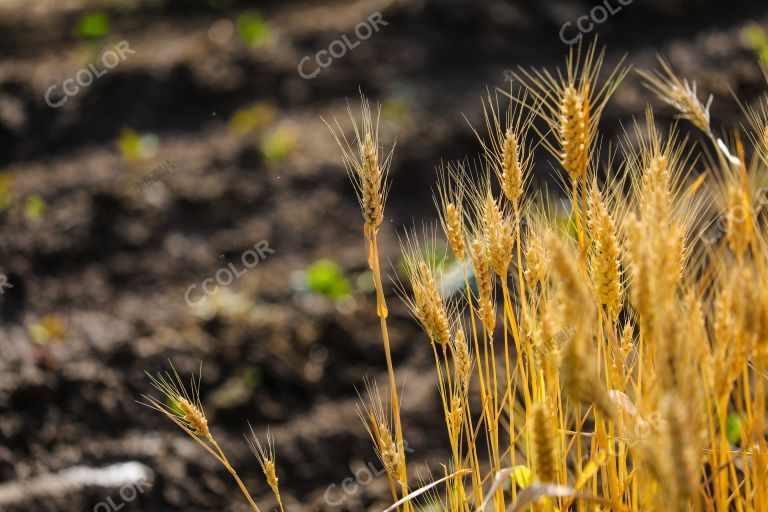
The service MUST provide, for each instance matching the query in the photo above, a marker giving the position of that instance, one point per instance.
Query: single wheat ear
(508, 149)
(180, 405)
(606, 268)
(462, 359)
(366, 164)
(543, 438)
(377, 423)
(571, 102)
(536, 261)
(481, 263)
(266, 457)
(449, 202)
(426, 304)
(498, 232)
(680, 94)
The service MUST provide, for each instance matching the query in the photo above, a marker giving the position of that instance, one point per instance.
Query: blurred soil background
(212, 106)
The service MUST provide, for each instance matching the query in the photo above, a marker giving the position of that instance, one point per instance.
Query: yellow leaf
(590, 469)
(522, 476)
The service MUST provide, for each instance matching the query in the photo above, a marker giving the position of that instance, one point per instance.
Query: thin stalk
(382, 312)
(232, 472)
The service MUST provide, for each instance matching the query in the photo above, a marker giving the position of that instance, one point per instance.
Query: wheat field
(607, 346)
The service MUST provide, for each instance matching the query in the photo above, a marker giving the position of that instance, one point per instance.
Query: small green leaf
(327, 278)
(733, 428)
(34, 207)
(92, 25)
(173, 406)
(753, 37)
(252, 28)
(278, 144)
(252, 117)
(251, 377)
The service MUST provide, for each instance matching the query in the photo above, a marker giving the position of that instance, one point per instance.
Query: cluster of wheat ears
(602, 358)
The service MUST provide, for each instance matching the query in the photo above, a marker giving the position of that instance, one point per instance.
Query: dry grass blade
(426, 488)
(499, 479)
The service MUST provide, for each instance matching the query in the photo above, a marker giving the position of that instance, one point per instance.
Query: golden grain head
(656, 196)
(679, 455)
(512, 170)
(371, 183)
(625, 343)
(543, 443)
(642, 262)
(680, 94)
(428, 306)
(265, 454)
(425, 300)
(536, 261)
(574, 133)
(454, 230)
(365, 165)
(390, 457)
(194, 417)
(462, 358)
(456, 415)
(481, 263)
(180, 404)
(565, 265)
(605, 262)
(499, 236)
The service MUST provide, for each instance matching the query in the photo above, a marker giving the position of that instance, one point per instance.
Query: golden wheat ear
(426, 301)
(606, 258)
(183, 407)
(449, 201)
(265, 454)
(508, 149)
(570, 102)
(378, 424)
(367, 164)
(180, 404)
(680, 94)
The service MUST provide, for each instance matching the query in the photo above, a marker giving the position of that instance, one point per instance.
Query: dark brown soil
(108, 263)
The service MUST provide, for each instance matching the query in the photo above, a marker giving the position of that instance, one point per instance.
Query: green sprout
(137, 146)
(92, 25)
(252, 117)
(34, 207)
(278, 144)
(252, 28)
(753, 37)
(325, 277)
